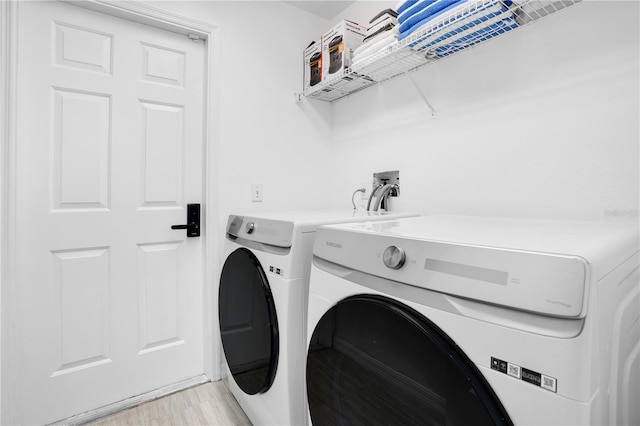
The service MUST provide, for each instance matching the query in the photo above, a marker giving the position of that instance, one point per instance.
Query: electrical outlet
(256, 192)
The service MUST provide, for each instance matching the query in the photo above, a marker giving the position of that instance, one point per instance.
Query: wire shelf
(476, 22)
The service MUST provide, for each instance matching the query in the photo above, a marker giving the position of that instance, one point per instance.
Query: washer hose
(373, 193)
(354, 194)
(384, 192)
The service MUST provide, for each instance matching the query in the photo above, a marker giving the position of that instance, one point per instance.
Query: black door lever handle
(193, 221)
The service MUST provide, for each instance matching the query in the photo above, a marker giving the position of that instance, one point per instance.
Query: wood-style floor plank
(207, 404)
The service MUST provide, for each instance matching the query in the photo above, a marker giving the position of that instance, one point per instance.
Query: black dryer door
(375, 361)
(248, 322)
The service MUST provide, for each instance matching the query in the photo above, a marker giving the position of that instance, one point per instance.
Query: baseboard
(116, 407)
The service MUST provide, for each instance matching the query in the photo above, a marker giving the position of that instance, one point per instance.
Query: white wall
(541, 122)
(264, 135)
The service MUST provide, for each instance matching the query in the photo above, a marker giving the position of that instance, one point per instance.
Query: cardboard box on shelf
(338, 45)
(312, 66)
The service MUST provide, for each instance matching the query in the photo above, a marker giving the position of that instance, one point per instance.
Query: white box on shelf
(338, 45)
(312, 62)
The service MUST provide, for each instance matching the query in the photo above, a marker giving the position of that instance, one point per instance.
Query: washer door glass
(248, 322)
(374, 361)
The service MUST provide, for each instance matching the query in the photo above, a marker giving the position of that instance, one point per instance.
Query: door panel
(82, 48)
(163, 65)
(81, 278)
(81, 124)
(162, 145)
(109, 153)
(158, 291)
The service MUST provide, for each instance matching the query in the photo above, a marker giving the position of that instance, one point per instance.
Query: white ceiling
(324, 9)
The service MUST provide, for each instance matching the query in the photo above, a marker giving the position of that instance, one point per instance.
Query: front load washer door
(375, 361)
(248, 322)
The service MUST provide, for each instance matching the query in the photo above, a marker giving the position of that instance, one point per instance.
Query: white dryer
(262, 308)
(471, 321)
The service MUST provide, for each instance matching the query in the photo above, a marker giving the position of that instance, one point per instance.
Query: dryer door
(248, 322)
(372, 360)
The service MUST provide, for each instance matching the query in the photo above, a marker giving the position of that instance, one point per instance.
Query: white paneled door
(109, 153)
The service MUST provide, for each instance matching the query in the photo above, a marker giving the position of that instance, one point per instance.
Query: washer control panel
(519, 278)
(394, 257)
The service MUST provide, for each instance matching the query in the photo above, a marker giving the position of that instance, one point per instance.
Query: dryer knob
(250, 227)
(393, 257)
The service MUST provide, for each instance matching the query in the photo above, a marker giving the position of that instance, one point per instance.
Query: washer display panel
(248, 322)
(372, 360)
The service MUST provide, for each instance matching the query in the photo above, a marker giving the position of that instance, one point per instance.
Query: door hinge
(194, 37)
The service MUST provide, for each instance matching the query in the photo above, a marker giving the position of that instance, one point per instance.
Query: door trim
(8, 125)
(9, 51)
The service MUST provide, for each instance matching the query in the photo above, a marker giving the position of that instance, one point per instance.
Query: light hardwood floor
(207, 404)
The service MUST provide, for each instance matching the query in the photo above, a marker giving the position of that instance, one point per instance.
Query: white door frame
(9, 98)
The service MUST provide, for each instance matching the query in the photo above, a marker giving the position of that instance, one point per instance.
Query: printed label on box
(338, 45)
(312, 63)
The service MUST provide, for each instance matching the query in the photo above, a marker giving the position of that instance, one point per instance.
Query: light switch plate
(256, 192)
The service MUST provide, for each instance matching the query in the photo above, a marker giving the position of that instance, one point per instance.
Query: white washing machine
(262, 308)
(471, 321)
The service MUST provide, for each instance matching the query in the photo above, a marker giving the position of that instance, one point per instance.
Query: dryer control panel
(266, 231)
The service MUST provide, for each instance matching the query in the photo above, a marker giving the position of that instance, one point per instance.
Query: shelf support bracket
(422, 95)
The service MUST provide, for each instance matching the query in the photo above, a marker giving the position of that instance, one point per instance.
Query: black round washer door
(375, 361)
(248, 322)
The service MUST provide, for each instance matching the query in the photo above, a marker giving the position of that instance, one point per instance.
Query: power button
(250, 227)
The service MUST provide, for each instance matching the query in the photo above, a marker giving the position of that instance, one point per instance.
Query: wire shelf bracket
(432, 111)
